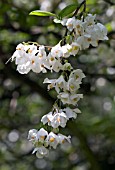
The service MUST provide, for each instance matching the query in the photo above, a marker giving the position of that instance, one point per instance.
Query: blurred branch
(84, 146)
(109, 2)
(32, 84)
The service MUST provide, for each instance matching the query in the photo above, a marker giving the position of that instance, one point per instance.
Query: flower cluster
(59, 117)
(86, 32)
(67, 90)
(38, 58)
(42, 141)
(32, 57)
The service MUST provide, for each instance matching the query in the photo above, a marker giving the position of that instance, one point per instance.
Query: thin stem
(77, 10)
(30, 42)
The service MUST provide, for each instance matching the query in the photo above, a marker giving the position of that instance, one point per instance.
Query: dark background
(24, 99)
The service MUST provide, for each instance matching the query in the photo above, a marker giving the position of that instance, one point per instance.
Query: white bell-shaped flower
(71, 113)
(68, 98)
(42, 134)
(57, 51)
(32, 135)
(52, 83)
(41, 152)
(77, 75)
(59, 119)
(72, 85)
(75, 48)
(64, 97)
(102, 32)
(74, 98)
(66, 50)
(52, 140)
(47, 119)
(63, 138)
(70, 23)
(60, 84)
(90, 19)
(78, 28)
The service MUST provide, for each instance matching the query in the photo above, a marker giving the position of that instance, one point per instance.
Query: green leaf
(68, 10)
(109, 26)
(41, 13)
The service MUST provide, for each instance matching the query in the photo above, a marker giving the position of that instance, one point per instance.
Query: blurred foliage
(24, 99)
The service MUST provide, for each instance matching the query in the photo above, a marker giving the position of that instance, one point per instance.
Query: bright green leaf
(41, 13)
(68, 10)
(109, 26)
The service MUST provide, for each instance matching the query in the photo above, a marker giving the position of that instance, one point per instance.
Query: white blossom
(71, 113)
(78, 28)
(60, 84)
(52, 140)
(55, 119)
(66, 50)
(75, 48)
(52, 83)
(63, 22)
(57, 66)
(59, 119)
(74, 98)
(67, 66)
(77, 75)
(72, 85)
(68, 98)
(90, 19)
(42, 134)
(32, 134)
(56, 51)
(41, 152)
(70, 23)
(102, 33)
(47, 119)
(63, 138)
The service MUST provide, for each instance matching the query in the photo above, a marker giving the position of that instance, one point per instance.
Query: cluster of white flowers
(33, 57)
(30, 57)
(59, 117)
(42, 141)
(36, 58)
(67, 90)
(86, 32)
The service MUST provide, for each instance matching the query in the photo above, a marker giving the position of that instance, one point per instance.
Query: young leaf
(68, 10)
(41, 13)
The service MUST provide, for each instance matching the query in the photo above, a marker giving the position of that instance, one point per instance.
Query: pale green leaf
(41, 13)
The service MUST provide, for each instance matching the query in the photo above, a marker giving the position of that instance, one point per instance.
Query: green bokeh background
(24, 98)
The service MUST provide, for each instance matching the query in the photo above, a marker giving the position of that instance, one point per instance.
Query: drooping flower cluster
(67, 90)
(60, 117)
(42, 141)
(30, 57)
(33, 57)
(39, 58)
(86, 32)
